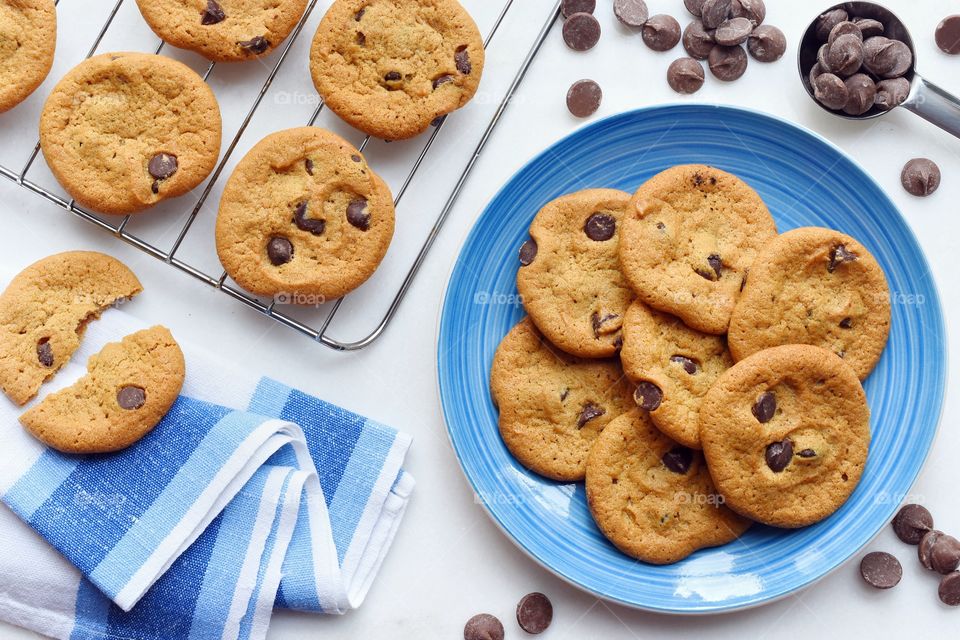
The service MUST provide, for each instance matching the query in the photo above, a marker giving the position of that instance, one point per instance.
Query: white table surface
(449, 561)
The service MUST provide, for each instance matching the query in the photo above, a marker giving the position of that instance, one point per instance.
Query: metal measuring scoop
(925, 99)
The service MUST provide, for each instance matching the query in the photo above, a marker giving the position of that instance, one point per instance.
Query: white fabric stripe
(19, 451)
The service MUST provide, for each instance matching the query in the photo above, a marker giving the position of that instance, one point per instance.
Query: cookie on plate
(553, 405)
(690, 235)
(223, 30)
(391, 67)
(129, 386)
(814, 286)
(652, 497)
(673, 367)
(786, 433)
(303, 215)
(45, 309)
(123, 131)
(569, 276)
(28, 38)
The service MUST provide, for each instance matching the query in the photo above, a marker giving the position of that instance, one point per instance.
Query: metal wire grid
(219, 282)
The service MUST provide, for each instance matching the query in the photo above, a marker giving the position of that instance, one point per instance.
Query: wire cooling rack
(220, 282)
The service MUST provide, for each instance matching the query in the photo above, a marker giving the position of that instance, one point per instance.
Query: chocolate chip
(528, 252)
(661, 32)
(861, 94)
(581, 31)
(255, 45)
(892, 93)
(733, 32)
(830, 91)
(838, 256)
(779, 454)
(695, 7)
(315, 226)
(212, 14)
(444, 79)
(600, 227)
(714, 12)
(807, 453)
(827, 21)
(685, 75)
(599, 323)
(279, 250)
(925, 548)
(130, 397)
(648, 396)
(358, 16)
(632, 13)
(949, 590)
(948, 35)
(727, 63)
(753, 10)
(945, 554)
(764, 407)
(920, 177)
(881, 570)
(911, 522)
(534, 613)
(461, 57)
(588, 412)
(715, 268)
(361, 38)
(570, 7)
(885, 57)
(868, 27)
(845, 55)
(846, 323)
(357, 214)
(356, 158)
(392, 76)
(767, 43)
(564, 394)
(583, 98)
(690, 366)
(45, 352)
(678, 459)
(843, 29)
(483, 626)
(308, 165)
(815, 72)
(162, 165)
(697, 41)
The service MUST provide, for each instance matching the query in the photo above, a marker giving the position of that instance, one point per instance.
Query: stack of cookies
(697, 370)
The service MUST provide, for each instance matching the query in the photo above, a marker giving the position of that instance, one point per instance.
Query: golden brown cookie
(129, 386)
(390, 67)
(673, 367)
(690, 235)
(569, 276)
(223, 30)
(553, 405)
(123, 131)
(786, 433)
(28, 38)
(653, 498)
(303, 215)
(45, 309)
(814, 286)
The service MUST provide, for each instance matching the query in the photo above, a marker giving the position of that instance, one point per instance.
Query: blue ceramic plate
(805, 181)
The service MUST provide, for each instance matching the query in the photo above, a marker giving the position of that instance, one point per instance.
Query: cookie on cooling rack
(28, 37)
(129, 386)
(45, 309)
(303, 214)
(223, 30)
(390, 67)
(123, 131)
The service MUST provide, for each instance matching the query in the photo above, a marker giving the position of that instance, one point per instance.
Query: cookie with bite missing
(569, 276)
(28, 38)
(128, 388)
(553, 405)
(45, 309)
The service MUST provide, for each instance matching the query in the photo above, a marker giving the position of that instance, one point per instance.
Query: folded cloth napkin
(249, 494)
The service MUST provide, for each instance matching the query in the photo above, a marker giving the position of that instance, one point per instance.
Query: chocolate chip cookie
(129, 386)
(28, 37)
(123, 131)
(553, 405)
(688, 239)
(785, 433)
(569, 276)
(45, 309)
(223, 30)
(652, 497)
(303, 215)
(673, 367)
(390, 67)
(814, 286)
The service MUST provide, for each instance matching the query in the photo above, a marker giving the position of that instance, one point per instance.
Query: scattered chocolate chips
(861, 94)
(892, 93)
(570, 7)
(690, 366)
(920, 177)
(727, 63)
(949, 590)
(45, 352)
(528, 252)
(685, 75)
(944, 554)
(315, 226)
(461, 57)
(584, 98)
(648, 396)
(601, 323)
(162, 165)
(357, 214)
(827, 21)
(753, 10)
(925, 548)
(695, 7)
(733, 32)
(947, 35)
(764, 407)
(308, 166)
(838, 256)
(255, 45)
(697, 41)
(279, 250)
(911, 522)
(130, 397)
(483, 626)
(600, 227)
(714, 12)
(632, 13)
(830, 90)
(581, 31)
(212, 14)
(661, 32)
(845, 55)
(534, 613)
(881, 570)
(589, 412)
(678, 459)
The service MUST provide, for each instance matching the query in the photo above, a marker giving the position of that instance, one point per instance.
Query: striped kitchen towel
(248, 495)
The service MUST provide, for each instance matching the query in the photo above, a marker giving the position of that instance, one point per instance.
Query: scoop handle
(933, 104)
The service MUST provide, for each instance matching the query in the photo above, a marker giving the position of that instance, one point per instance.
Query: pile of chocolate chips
(534, 615)
(858, 67)
(936, 551)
